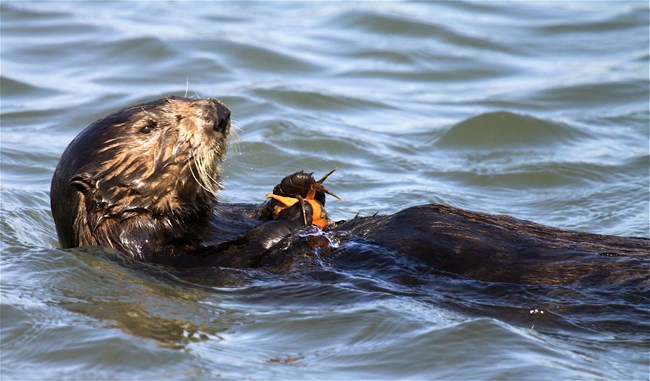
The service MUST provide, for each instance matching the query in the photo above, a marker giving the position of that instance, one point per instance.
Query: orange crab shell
(319, 216)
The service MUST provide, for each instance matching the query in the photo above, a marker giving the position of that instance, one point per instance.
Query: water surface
(537, 110)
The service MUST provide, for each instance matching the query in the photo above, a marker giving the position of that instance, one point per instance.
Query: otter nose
(215, 113)
(222, 121)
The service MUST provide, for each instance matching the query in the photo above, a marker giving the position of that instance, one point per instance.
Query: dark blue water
(537, 110)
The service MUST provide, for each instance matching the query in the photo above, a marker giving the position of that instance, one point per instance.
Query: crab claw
(318, 187)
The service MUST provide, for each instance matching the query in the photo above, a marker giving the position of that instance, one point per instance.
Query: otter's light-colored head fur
(147, 168)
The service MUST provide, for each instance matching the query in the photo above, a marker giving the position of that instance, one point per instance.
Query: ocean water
(538, 110)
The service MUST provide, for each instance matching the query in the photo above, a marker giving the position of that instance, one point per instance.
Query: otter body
(144, 181)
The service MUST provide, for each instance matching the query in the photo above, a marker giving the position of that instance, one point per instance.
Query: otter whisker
(206, 178)
(210, 178)
(233, 139)
(203, 165)
(213, 167)
(198, 181)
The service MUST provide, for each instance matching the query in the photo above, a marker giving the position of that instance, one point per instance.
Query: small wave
(623, 18)
(394, 24)
(18, 88)
(317, 99)
(259, 56)
(609, 94)
(505, 130)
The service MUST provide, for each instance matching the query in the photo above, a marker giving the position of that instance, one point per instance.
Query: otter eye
(148, 127)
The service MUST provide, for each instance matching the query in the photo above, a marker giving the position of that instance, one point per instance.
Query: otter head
(145, 172)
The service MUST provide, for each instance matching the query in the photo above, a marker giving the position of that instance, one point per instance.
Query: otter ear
(82, 182)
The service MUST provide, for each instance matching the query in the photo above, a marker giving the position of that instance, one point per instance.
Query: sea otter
(144, 181)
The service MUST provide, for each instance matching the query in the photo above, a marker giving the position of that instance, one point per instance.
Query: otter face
(153, 161)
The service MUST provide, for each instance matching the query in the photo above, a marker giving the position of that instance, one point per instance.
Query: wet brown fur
(141, 174)
(144, 181)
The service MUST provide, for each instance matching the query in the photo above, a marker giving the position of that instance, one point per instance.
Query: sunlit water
(537, 110)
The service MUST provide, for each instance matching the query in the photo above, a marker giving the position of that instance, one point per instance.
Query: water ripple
(529, 109)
